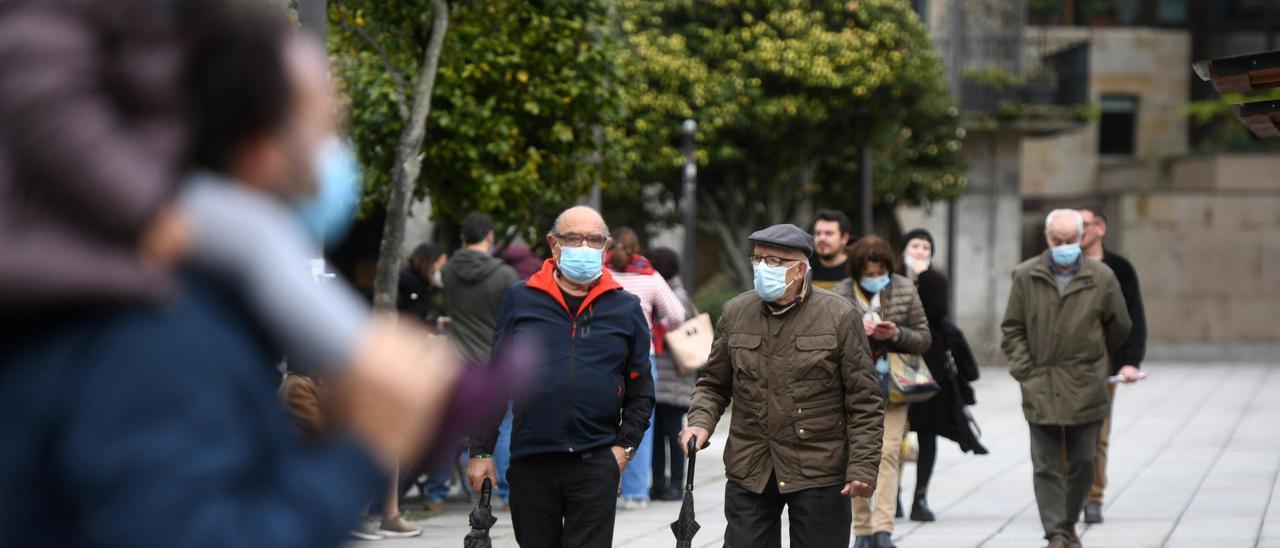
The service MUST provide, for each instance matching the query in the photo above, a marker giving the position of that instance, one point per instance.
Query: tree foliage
(527, 112)
(785, 93)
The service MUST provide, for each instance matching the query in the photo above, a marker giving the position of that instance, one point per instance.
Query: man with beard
(830, 237)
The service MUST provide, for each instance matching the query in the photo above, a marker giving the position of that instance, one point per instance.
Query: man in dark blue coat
(579, 425)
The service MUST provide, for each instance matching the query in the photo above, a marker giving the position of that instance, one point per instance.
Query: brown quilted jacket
(806, 404)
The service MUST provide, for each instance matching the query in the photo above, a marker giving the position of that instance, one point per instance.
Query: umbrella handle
(693, 452)
(486, 493)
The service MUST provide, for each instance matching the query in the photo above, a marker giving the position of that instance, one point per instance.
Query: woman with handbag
(951, 364)
(895, 323)
(673, 393)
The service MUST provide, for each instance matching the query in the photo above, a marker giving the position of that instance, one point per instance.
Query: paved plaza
(1195, 460)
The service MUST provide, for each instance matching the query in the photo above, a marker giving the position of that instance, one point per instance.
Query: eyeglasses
(574, 240)
(771, 260)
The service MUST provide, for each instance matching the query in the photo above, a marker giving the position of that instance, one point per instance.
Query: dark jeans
(668, 473)
(1060, 496)
(820, 517)
(564, 499)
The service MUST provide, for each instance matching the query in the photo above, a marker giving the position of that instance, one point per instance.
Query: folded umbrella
(685, 527)
(481, 520)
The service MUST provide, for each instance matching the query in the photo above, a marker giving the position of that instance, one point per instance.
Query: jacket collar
(545, 281)
(1082, 279)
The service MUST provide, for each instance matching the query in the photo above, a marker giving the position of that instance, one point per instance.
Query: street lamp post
(313, 16)
(864, 190)
(690, 179)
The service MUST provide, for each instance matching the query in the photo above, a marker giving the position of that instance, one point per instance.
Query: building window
(1117, 130)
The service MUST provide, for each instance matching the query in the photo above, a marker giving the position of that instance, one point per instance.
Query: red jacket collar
(545, 280)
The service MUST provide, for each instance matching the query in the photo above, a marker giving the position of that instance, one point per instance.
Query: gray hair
(1079, 219)
(555, 227)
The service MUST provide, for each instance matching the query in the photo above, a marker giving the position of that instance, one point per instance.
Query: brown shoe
(1075, 543)
(397, 527)
(433, 507)
(1057, 542)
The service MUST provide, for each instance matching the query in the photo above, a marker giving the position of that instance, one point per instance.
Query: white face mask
(914, 264)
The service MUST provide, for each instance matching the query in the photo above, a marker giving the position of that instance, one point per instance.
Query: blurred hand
(857, 489)
(393, 396)
(696, 432)
(478, 470)
(166, 240)
(869, 326)
(884, 331)
(1129, 374)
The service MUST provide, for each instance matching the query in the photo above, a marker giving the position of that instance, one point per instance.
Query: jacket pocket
(814, 358)
(744, 351)
(820, 446)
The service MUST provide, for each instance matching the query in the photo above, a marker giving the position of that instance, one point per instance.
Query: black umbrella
(481, 520)
(685, 527)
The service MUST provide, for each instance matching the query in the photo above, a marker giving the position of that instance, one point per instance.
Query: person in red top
(583, 418)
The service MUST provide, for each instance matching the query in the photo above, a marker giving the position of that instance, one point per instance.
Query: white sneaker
(635, 504)
(366, 531)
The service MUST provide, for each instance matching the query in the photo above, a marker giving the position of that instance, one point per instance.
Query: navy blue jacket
(595, 383)
(161, 427)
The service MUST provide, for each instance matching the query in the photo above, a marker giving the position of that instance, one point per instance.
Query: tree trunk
(408, 164)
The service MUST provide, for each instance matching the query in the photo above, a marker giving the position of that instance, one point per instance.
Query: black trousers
(668, 457)
(820, 517)
(564, 500)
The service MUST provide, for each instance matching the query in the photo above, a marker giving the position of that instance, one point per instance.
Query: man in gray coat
(474, 282)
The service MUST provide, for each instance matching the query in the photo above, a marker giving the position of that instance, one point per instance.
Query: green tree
(785, 93)
(527, 113)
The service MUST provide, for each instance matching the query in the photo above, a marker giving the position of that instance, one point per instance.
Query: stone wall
(1206, 244)
(1152, 64)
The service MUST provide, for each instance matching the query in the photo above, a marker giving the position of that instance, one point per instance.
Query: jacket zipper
(573, 352)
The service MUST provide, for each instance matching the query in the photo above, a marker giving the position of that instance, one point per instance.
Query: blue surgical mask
(874, 285)
(1066, 255)
(581, 264)
(770, 281)
(328, 215)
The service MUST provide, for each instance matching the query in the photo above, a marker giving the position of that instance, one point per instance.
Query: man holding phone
(806, 427)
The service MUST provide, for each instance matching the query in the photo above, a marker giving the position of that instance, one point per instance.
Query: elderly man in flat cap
(793, 361)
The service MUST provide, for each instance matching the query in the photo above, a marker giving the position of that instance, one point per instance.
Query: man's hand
(869, 326)
(884, 331)
(699, 433)
(1129, 374)
(857, 489)
(620, 455)
(480, 468)
(393, 396)
(166, 241)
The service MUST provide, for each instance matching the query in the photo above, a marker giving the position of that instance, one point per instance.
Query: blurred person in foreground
(118, 417)
(1124, 361)
(951, 364)
(1065, 312)
(581, 422)
(894, 321)
(806, 427)
(673, 392)
(663, 311)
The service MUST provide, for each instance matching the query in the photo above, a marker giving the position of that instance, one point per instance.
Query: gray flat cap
(785, 235)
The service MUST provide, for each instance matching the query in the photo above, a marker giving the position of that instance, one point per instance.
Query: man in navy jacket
(581, 421)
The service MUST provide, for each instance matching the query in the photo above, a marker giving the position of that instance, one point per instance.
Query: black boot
(862, 542)
(920, 509)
